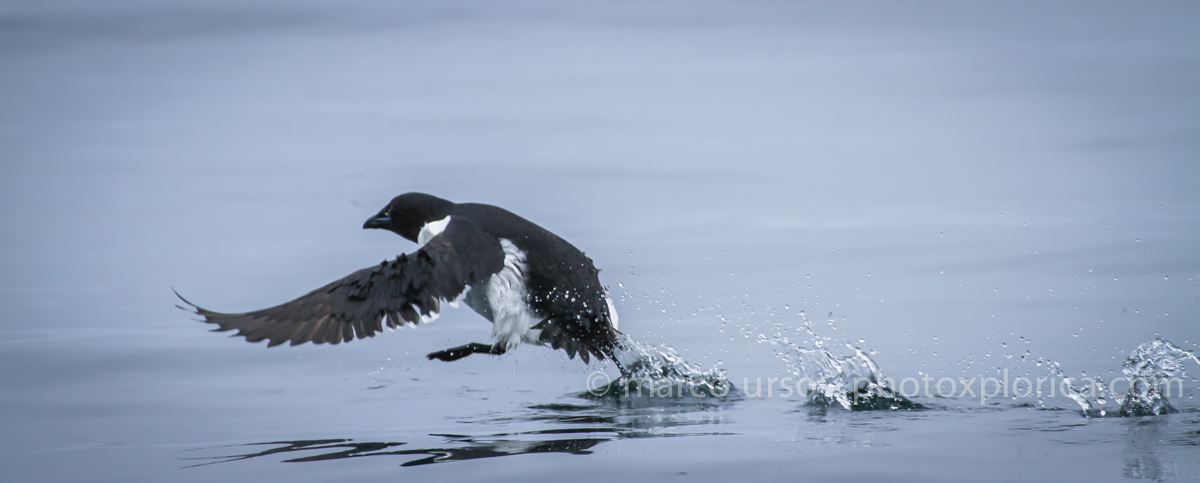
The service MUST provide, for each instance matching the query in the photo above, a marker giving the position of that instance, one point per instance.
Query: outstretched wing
(400, 291)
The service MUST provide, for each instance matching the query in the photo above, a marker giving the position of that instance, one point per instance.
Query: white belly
(505, 301)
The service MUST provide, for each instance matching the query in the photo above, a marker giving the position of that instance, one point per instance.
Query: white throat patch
(430, 230)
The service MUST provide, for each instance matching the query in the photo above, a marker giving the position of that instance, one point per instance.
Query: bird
(533, 286)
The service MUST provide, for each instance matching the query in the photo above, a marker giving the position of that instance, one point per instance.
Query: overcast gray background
(956, 183)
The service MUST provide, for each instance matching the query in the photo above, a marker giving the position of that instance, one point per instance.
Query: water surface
(961, 189)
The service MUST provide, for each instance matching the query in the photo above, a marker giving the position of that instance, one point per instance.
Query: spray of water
(1089, 398)
(1149, 370)
(660, 372)
(854, 382)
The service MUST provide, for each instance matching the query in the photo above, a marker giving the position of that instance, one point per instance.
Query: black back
(563, 283)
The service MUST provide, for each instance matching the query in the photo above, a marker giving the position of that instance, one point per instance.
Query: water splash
(1089, 397)
(660, 372)
(854, 382)
(1149, 368)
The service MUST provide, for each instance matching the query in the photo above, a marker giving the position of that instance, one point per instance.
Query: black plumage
(562, 287)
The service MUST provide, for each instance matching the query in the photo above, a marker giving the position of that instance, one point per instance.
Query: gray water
(956, 190)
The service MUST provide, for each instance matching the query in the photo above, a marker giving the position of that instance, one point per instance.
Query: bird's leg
(611, 352)
(621, 367)
(456, 353)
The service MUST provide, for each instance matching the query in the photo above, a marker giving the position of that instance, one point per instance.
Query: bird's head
(407, 213)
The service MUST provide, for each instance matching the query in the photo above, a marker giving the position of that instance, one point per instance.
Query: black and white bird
(532, 285)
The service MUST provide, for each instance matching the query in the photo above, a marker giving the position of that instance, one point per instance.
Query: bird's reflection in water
(573, 429)
(467, 449)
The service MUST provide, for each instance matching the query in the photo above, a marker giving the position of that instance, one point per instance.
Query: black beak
(377, 222)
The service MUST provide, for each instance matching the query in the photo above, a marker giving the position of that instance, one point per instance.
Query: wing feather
(403, 291)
